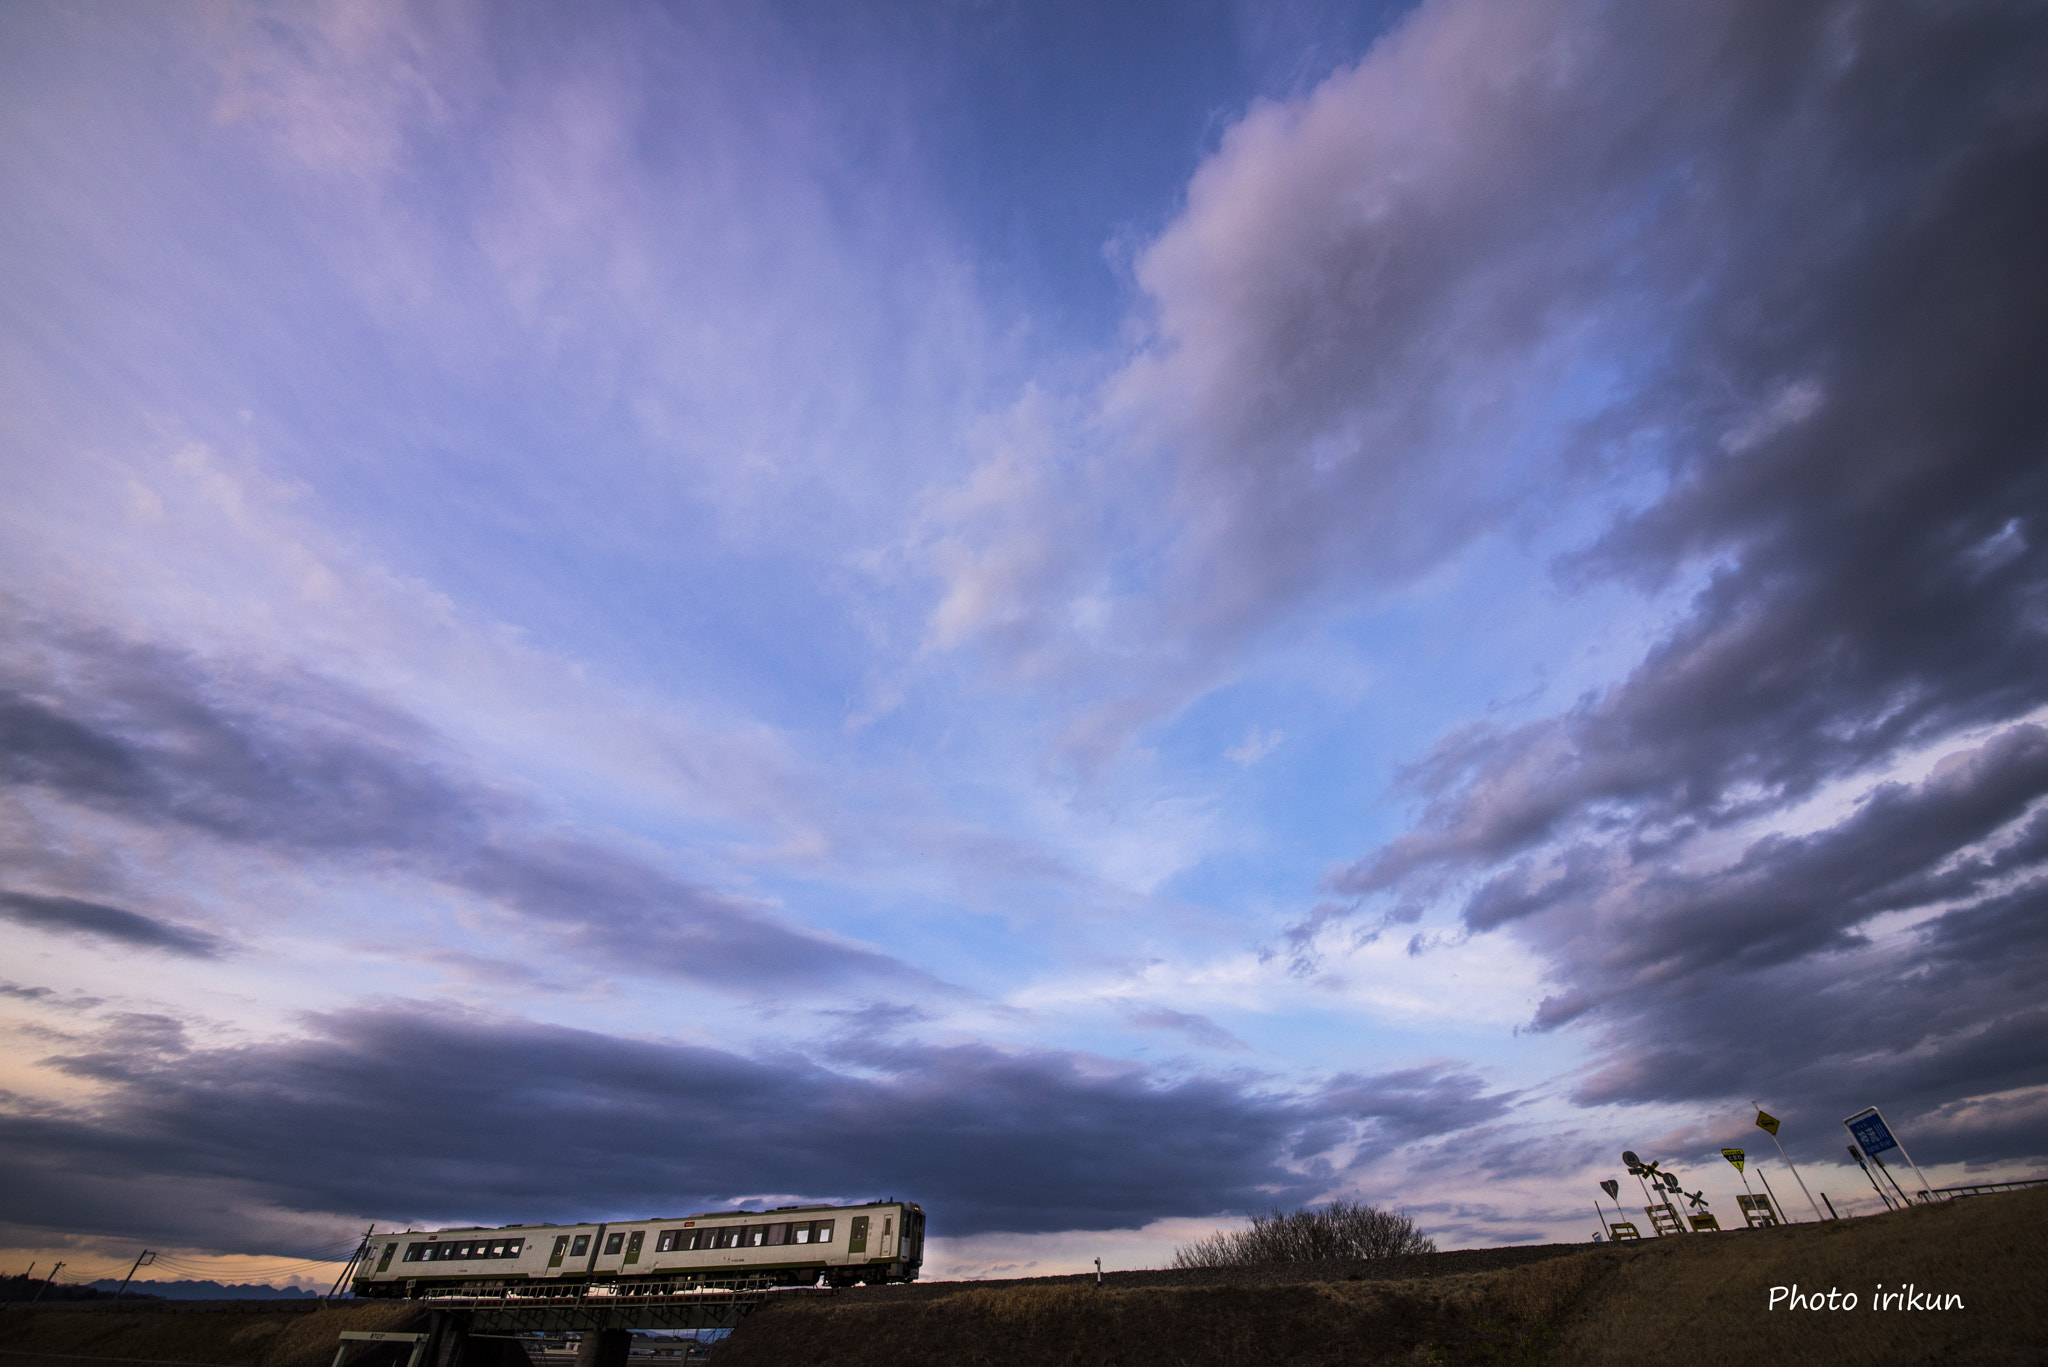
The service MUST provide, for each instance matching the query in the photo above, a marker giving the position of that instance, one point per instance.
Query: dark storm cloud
(437, 1115)
(1786, 897)
(284, 760)
(609, 906)
(1842, 212)
(1880, 510)
(1520, 250)
(72, 915)
(1762, 978)
(294, 764)
(1413, 1103)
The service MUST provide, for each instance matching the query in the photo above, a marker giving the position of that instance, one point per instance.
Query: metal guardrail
(715, 1308)
(1983, 1188)
(529, 1293)
(89, 1357)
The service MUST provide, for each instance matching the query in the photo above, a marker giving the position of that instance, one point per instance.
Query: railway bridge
(493, 1331)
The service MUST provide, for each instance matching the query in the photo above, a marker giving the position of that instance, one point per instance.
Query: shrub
(1342, 1229)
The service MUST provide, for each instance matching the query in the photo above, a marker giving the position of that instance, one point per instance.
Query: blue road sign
(1873, 1136)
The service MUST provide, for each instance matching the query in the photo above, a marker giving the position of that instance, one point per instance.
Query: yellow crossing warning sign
(1734, 1156)
(1766, 1121)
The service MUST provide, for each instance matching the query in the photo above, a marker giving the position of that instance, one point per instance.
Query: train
(879, 1241)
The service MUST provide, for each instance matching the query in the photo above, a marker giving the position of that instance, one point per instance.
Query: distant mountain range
(206, 1291)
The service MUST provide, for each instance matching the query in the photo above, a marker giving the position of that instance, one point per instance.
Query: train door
(610, 1248)
(857, 1235)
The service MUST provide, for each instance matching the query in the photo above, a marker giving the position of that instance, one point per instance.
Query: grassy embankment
(1692, 1300)
(1679, 1301)
(279, 1335)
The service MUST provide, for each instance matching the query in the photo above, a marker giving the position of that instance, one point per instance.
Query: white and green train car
(882, 1241)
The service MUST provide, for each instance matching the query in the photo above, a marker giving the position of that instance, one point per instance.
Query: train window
(778, 1234)
(800, 1234)
(512, 1249)
(666, 1242)
(415, 1252)
(580, 1247)
(823, 1234)
(614, 1244)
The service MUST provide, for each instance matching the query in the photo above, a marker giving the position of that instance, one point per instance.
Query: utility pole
(353, 1259)
(1768, 1123)
(142, 1259)
(46, 1283)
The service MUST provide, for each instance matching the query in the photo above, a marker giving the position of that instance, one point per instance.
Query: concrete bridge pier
(605, 1348)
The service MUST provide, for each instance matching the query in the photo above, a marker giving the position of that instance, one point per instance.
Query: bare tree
(1342, 1229)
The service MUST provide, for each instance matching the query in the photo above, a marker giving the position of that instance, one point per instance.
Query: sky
(1100, 616)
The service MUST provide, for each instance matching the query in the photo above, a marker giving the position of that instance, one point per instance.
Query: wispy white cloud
(1256, 745)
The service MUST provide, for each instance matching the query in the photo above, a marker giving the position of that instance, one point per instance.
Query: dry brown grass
(1703, 1300)
(1492, 1317)
(1688, 1301)
(1681, 1301)
(261, 1338)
